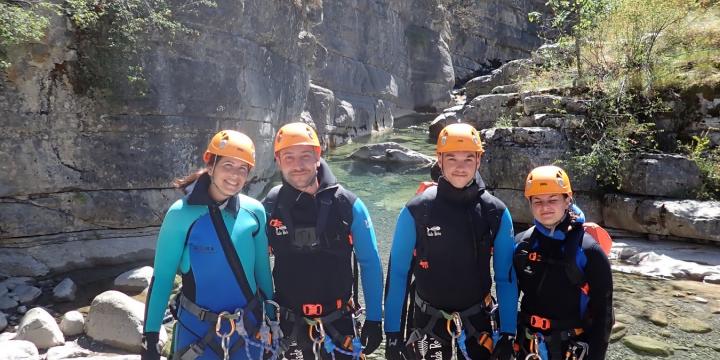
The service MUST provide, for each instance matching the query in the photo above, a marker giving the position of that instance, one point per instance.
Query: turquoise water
(385, 190)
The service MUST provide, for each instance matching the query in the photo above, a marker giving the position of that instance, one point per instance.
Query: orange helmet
(459, 137)
(546, 180)
(232, 144)
(296, 133)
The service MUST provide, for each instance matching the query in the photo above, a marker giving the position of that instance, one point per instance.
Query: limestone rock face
(19, 350)
(98, 169)
(679, 218)
(650, 174)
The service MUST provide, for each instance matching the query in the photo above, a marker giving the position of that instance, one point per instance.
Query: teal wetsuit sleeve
(263, 276)
(168, 252)
(505, 279)
(366, 252)
(401, 255)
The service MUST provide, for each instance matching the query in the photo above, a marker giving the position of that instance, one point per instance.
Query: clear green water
(385, 190)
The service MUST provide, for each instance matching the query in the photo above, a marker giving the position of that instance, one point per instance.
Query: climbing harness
(322, 340)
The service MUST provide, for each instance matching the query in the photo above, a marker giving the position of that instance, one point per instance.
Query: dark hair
(182, 183)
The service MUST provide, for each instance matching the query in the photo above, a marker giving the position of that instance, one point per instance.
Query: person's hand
(503, 349)
(150, 346)
(371, 336)
(394, 346)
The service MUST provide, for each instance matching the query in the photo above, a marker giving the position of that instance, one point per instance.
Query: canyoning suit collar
(561, 228)
(198, 194)
(326, 180)
(464, 196)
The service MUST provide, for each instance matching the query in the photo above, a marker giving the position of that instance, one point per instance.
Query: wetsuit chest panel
(457, 274)
(311, 267)
(547, 290)
(210, 268)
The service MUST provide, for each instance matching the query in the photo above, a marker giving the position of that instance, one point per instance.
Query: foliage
(112, 33)
(503, 121)
(708, 161)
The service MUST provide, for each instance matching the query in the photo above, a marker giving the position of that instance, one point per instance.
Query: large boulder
(135, 280)
(70, 350)
(510, 153)
(391, 152)
(485, 110)
(674, 218)
(647, 174)
(116, 319)
(19, 350)
(3, 321)
(40, 328)
(507, 74)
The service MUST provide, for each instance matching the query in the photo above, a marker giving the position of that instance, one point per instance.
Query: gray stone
(712, 279)
(485, 110)
(510, 153)
(116, 319)
(19, 350)
(505, 89)
(22, 309)
(552, 54)
(692, 325)
(646, 345)
(72, 323)
(3, 321)
(391, 152)
(26, 294)
(65, 290)
(6, 336)
(7, 303)
(13, 282)
(657, 317)
(619, 330)
(70, 350)
(624, 318)
(681, 218)
(134, 280)
(3, 290)
(534, 104)
(40, 328)
(507, 74)
(648, 174)
(441, 121)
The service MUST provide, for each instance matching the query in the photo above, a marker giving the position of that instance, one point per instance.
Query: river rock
(618, 331)
(72, 323)
(3, 321)
(40, 328)
(692, 325)
(3, 290)
(65, 290)
(657, 317)
(646, 345)
(134, 280)
(13, 282)
(535, 104)
(712, 279)
(26, 294)
(19, 350)
(506, 74)
(6, 302)
(70, 350)
(390, 152)
(116, 319)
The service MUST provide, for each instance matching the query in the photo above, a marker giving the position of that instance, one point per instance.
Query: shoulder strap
(326, 199)
(573, 243)
(490, 213)
(230, 254)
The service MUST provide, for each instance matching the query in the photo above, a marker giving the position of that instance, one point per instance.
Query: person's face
(298, 165)
(459, 167)
(549, 209)
(228, 177)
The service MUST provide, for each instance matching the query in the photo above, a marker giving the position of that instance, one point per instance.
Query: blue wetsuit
(444, 238)
(189, 244)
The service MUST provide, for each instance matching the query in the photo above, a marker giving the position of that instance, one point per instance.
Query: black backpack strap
(573, 242)
(326, 200)
(231, 255)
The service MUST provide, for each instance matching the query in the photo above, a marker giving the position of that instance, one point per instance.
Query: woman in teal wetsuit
(214, 292)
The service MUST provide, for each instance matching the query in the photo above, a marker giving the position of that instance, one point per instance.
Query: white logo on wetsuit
(433, 231)
(282, 230)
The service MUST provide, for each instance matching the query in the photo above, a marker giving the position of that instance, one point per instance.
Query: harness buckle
(539, 322)
(312, 309)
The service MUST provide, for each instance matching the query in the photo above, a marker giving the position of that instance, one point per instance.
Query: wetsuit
(313, 238)
(567, 296)
(189, 243)
(444, 238)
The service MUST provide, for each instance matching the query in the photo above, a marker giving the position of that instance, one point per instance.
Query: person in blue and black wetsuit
(315, 228)
(564, 274)
(447, 238)
(201, 236)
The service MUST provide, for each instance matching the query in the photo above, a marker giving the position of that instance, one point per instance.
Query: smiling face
(299, 166)
(228, 177)
(549, 210)
(459, 167)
